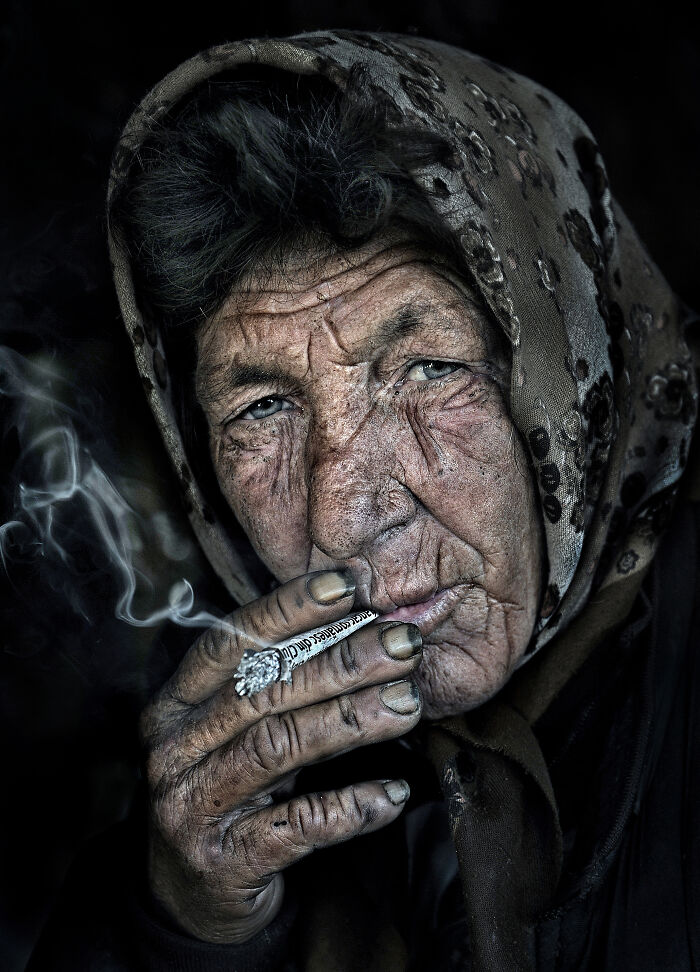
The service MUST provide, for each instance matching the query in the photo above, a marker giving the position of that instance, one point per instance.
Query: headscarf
(602, 392)
(602, 385)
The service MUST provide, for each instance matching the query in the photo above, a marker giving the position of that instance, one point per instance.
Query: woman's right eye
(265, 408)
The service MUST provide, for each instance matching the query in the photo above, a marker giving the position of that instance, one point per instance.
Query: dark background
(72, 678)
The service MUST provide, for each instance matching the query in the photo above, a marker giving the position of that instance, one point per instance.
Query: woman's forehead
(357, 311)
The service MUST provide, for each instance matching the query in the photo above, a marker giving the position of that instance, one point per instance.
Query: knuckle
(308, 817)
(272, 610)
(272, 697)
(163, 757)
(361, 813)
(348, 712)
(205, 735)
(353, 660)
(210, 645)
(279, 609)
(252, 752)
(162, 716)
(305, 680)
(258, 703)
(339, 666)
(317, 819)
(161, 762)
(346, 660)
(273, 741)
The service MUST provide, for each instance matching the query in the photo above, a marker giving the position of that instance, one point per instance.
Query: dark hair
(245, 168)
(248, 166)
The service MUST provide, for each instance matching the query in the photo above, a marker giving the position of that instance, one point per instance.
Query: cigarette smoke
(69, 520)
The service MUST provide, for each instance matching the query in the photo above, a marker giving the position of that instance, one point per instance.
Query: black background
(71, 685)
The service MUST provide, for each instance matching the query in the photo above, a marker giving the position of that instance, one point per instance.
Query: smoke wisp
(67, 517)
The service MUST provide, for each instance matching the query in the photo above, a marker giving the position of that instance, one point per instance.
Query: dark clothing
(626, 776)
(622, 745)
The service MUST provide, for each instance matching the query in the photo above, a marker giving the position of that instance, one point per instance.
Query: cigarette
(258, 669)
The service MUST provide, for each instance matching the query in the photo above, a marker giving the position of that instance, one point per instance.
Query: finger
(278, 745)
(272, 839)
(303, 603)
(377, 653)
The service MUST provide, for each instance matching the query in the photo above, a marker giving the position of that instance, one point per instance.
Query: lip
(429, 615)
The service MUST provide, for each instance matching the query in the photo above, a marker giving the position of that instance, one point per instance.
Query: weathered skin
(382, 450)
(416, 485)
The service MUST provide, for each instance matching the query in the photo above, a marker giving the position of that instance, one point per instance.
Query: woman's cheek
(490, 502)
(459, 432)
(258, 459)
(470, 469)
(260, 473)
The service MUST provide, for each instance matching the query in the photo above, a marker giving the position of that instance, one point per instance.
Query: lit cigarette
(258, 669)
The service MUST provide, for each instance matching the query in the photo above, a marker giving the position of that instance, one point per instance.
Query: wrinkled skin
(360, 433)
(412, 477)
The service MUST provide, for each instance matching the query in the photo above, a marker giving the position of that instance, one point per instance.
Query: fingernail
(402, 640)
(330, 586)
(398, 791)
(401, 697)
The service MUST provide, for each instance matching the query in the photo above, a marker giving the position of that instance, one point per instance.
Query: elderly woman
(407, 355)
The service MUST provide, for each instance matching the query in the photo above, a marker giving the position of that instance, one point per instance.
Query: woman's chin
(453, 685)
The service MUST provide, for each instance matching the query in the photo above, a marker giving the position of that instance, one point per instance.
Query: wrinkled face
(356, 419)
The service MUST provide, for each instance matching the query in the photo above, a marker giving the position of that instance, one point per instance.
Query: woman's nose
(355, 495)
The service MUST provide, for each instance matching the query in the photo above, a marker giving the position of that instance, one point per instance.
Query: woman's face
(356, 419)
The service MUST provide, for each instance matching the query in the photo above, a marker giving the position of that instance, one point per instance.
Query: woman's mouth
(429, 615)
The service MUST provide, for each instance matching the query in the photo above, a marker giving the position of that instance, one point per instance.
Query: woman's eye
(265, 408)
(429, 369)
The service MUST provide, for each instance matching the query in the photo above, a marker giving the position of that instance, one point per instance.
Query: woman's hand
(220, 767)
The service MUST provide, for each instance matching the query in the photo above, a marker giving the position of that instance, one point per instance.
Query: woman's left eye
(429, 369)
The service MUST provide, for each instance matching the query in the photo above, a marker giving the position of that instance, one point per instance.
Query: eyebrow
(407, 319)
(224, 379)
(216, 383)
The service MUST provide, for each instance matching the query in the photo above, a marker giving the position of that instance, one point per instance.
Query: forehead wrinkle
(215, 383)
(404, 321)
(332, 310)
(408, 318)
(315, 281)
(217, 380)
(268, 304)
(411, 315)
(221, 370)
(331, 329)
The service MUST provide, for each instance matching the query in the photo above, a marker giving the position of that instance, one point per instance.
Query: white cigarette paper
(258, 669)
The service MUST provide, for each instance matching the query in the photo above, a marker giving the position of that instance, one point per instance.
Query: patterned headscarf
(602, 386)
